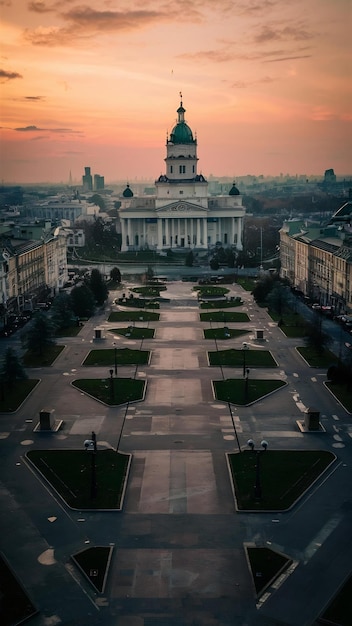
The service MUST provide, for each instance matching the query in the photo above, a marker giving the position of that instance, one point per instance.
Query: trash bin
(311, 419)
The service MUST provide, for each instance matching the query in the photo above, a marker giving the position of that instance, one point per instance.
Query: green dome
(128, 193)
(181, 133)
(234, 191)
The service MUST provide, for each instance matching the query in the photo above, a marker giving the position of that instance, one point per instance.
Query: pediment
(181, 206)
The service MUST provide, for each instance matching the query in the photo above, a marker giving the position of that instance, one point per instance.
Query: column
(167, 236)
(198, 232)
(129, 231)
(123, 235)
(159, 233)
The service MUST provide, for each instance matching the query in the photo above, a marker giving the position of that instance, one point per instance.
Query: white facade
(181, 214)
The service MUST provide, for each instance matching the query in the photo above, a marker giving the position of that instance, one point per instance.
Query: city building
(61, 207)
(31, 270)
(87, 180)
(181, 214)
(98, 182)
(318, 260)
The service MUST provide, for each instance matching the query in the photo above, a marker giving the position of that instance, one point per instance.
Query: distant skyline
(266, 86)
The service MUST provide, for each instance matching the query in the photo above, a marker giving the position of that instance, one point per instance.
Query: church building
(181, 214)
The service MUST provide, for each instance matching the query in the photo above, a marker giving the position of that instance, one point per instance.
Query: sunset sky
(266, 86)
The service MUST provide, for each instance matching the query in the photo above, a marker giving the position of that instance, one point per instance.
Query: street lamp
(111, 385)
(115, 358)
(246, 386)
(258, 485)
(91, 445)
(245, 347)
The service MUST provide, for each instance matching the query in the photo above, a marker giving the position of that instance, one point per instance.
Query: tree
(39, 334)
(11, 370)
(83, 302)
(263, 288)
(315, 337)
(278, 297)
(214, 263)
(62, 311)
(189, 260)
(98, 287)
(115, 275)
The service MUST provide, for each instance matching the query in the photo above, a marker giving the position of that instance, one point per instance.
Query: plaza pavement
(179, 557)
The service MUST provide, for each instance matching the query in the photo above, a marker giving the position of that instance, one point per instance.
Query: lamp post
(115, 358)
(245, 347)
(91, 445)
(258, 484)
(246, 386)
(111, 385)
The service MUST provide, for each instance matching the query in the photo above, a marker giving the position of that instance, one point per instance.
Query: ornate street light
(111, 385)
(91, 445)
(258, 485)
(245, 347)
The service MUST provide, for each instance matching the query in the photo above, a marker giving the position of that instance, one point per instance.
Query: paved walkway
(179, 555)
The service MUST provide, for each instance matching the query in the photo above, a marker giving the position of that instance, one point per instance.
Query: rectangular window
(182, 169)
(171, 169)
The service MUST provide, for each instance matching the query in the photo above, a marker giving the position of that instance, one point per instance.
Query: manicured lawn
(343, 393)
(204, 292)
(246, 283)
(224, 333)
(50, 353)
(94, 562)
(112, 391)
(138, 303)
(224, 316)
(13, 398)
(325, 359)
(15, 605)
(220, 304)
(70, 472)
(236, 392)
(134, 332)
(266, 565)
(149, 291)
(284, 476)
(133, 316)
(234, 358)
(71, 331)
(124, 356)
(293, 325)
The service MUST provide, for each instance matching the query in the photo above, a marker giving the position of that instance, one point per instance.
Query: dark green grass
(48, 356)
(69, 472)
(124, 356)
(339, 611)
(234, 358)
(343, 393)
(70, 331)
(124, 389)
(11, 399)
(134, 332)
(285, 475)
(94, 562)
(149, 291)
(133, 316)
(293, 325)
(220, 304)
(15, 605)
(224, 316)
(224, 333)
(315, 359)
(236, 391)
(266, 565)
(139, 303)
(246, 283)
(214, 292)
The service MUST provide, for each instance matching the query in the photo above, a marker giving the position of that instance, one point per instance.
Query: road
(179, 555)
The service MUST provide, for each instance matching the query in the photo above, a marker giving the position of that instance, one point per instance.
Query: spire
(181, 112)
